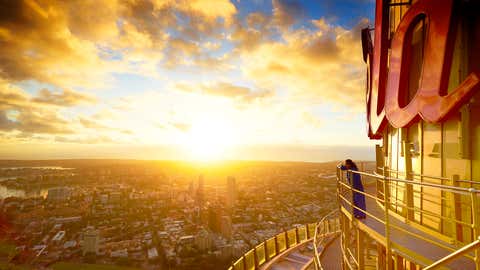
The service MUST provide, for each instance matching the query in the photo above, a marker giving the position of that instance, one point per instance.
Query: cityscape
(154, 215)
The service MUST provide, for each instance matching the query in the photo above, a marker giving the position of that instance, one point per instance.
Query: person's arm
(343, 168)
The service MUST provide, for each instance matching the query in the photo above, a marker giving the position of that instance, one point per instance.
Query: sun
(209, 139)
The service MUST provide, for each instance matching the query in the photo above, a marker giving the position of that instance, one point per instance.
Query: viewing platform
(394, 224)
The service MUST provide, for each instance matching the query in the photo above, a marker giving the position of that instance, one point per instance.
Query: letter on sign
(430, 102)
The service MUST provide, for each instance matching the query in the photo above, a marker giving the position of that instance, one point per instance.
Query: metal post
(457, 208)
(287, 245)
(265, 248)
(297, 236)
(408, 176)
(244, 262)
(398, 262)
(255, 258)
(360, 249)
(386, 198)
(475, 223)
(276, 246)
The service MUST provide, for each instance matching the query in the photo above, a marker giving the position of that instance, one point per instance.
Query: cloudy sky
(164, 79)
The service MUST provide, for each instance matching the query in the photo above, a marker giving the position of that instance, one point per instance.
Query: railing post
(398, 262)
(297, 236)
(457, 208)
(255, 258)
(276, 246)
(386, 199)
(360, 249)
(408, 176)
(475, 223)
(265, 248)
(244, 259)
(286, 239)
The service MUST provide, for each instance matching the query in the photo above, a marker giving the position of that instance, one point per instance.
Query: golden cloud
(315, 65)
(65, 98)
(40, 114)
(227, 90)
(80, 43)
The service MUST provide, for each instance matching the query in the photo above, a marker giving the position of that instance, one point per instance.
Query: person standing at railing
(355, 181)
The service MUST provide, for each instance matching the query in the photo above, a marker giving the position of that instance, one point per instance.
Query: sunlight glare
(209, 139)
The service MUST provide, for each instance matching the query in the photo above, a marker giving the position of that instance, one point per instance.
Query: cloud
(183, 127)
(214, 9)
(319, 65)
(37, 114)
(11, 96)
(5, 123)
(81, 43)
(88, 123)
(84, 139)
(286, 12)
(96, 125)
(227, 90)
(46, 122)
(37, 43)
(65, 98)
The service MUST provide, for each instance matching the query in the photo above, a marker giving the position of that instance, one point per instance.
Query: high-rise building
(215, 213)
(91, 241)
(200, 190)
(231, 194)
(226, 227)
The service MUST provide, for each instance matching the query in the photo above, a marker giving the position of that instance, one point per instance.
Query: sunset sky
(193, 79)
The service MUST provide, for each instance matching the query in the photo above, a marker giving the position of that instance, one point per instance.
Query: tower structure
(231, 194)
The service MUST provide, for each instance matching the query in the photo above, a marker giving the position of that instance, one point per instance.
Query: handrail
(273, 247)
(452, 256)
(320, 232)
(429, 176)
(414, 174)
(464, 196)
(444, 187)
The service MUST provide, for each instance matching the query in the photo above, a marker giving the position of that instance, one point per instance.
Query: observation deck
(398, 232)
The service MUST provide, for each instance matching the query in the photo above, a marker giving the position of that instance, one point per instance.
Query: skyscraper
(231, 195)
(199, 195)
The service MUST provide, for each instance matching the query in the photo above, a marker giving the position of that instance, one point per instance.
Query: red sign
(431, 102)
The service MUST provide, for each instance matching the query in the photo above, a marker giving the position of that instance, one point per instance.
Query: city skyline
(183, 80)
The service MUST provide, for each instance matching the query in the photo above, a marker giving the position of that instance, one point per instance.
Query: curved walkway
(331, 257)
(295, 258)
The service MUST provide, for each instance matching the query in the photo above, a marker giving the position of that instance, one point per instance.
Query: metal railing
(271, 248)
(328, 225)
(454, 255)
(450, 210)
